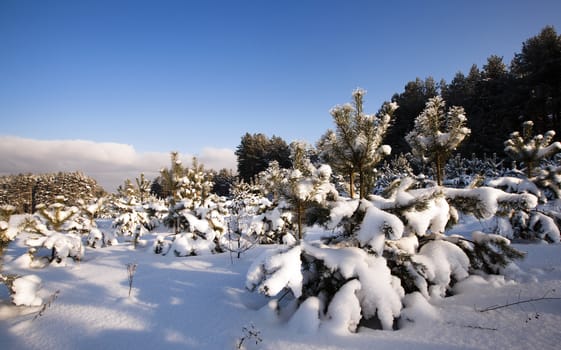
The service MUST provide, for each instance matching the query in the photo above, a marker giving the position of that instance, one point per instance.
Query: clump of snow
(434, 218)
(95, 238)
(380, 293)
(545, 227)
(417, 309)
(480, 237)
(442, 261)
(307, 318)
(288, 239)
(275, 270)
(344, 312)
(376, 226)
(24, 291)
(187, 244)
(340, 210)
(490, 200)
(515, 185)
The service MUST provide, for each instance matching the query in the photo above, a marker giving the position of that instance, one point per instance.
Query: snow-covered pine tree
(6, 235)
(437, 133)
(277, 217)
(185, 188)
(132, 220)
(90, 210)
(56, 215)
(195, 214)
(55, 229)
(143, 187)
(355, 147)
(307, 185)
(529, 149)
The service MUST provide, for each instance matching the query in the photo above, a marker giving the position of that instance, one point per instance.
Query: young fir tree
(57, 214)
(171, 191)
(132, 219)
(55, 224)
(437, 133)
(5, 235)
(307, 185)
(187, 189)
(355, 147)
(143, 187)
(530, 149)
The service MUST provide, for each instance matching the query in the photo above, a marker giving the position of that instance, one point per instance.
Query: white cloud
(108, 163)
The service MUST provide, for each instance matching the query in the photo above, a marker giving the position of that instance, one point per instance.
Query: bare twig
(47, 305)
(250, 333)
(525, 301)
(475, 327)
(131, 269)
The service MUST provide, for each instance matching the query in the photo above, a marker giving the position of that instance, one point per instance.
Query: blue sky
(188, 75)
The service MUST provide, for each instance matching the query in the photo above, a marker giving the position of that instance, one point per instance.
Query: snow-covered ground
(200, 302)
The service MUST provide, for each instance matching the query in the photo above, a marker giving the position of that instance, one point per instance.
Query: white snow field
(200, 302)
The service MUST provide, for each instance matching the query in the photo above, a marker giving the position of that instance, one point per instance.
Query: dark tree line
(256, 151)
(25, 191)
(497, 98)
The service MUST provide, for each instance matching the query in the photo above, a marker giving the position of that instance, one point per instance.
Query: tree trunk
(299, 210)
(352, 184)
(361, 185)
(529, 167)
(439, 169)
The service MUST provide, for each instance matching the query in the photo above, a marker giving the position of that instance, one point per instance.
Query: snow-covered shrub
(311, 270)
(485, 202)
(539, 220)
(132, 222)
(54, 227)
(90, 210)
(57, 216)
(61, 245)
(200, 229)
(374, 251)
(7, 233)
(188, 244)
(98, 238)
(134, 217)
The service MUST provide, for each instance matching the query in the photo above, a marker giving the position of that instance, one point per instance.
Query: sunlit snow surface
(201, 302)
